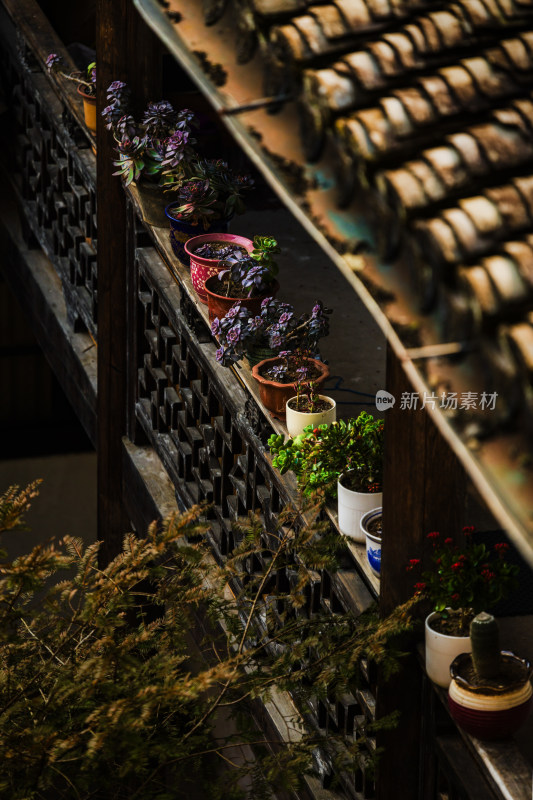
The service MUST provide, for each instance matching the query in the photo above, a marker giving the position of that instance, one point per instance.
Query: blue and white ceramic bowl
(373, 541)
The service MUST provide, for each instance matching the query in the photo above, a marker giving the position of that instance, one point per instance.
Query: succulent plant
(485, 638)
(87, 78)
(162, 146)
(249, 274)
(221, 195)
(294, 338)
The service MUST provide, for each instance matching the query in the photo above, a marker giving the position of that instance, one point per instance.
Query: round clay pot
(296, 421)
(204, 268)
(89, 107)
(218, 305)
(181, 232)
(274, 395)
(373, 540)
(441, 649)
(351, 507)
(489, 712)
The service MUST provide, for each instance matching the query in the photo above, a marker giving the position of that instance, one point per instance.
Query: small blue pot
(373, 542)
(181, 232)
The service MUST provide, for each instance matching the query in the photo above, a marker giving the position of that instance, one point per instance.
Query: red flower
(449, 540)
(501, 546)
(468, 530)
(433, 535)
(455, 597)
(420, 586)
(457, 565)
(462, 558)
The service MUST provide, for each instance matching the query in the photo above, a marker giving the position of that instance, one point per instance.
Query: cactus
(485, 637)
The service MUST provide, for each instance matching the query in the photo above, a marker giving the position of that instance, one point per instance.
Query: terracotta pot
(181, 231)
(89, 107)
(351, 508)
(274, 395)
(373, 540)
(204, 268)
(441, 649)
(218, 305)
(297, 420)
(490, 712)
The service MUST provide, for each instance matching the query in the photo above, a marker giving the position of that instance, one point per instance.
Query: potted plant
(359, 487)
(372, 530)
(307, 407)
(463, 581)
(248, 277)
(206, 251)
(85, 86)
(320, 456)
(296, 341)
(207, 195)
(490, 691)
(161, 141)
(277, 377)
(158, 154)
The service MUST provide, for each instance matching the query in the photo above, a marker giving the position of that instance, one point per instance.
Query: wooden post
(125, 50)
(424, 491)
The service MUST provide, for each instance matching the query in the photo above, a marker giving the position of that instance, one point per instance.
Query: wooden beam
(126, 50)
(424, 490)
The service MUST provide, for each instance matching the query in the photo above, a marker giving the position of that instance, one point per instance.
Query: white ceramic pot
(441, 651)
(296, 421)
(352, 506)
(373, 541)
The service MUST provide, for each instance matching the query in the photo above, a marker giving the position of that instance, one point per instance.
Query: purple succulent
(158, 119)
(234, 334)
(118, 92)
(255, 323)
(285, 317)
(112, 114)
(234, 311)
(215, 327)
(278, 372)
(125, 127)
(53, 62)
(175, 148)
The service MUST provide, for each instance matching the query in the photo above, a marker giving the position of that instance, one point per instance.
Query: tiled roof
(428, 108)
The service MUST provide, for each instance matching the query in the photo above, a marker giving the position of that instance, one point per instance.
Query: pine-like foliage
(99, 694)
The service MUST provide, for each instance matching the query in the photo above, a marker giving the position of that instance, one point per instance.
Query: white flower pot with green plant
(343, 459)
(308, 407)
(359, 488)
(464, 579)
